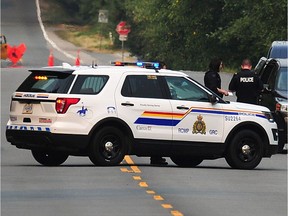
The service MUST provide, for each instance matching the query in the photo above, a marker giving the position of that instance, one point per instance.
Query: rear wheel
(186, 161)
(49, 158)
(108, 148)
(245, 150)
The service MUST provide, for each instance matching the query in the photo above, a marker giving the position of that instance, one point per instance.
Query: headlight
(269, 116)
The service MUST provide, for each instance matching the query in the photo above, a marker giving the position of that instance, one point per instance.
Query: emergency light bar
(153, 65)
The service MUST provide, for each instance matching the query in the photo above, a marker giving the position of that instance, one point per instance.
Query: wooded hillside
(186, 34)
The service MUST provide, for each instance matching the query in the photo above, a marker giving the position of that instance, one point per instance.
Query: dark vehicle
(278, 50)
(273, 73)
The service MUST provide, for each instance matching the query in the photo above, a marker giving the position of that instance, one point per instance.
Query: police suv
(107, 112)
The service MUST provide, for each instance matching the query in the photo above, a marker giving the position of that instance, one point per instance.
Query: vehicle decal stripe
(155, 121)
(163, 114)
(227, 110)
(18, 95)
(28, 128)
(30, 100)
(172, 119)
(158, 114)
(42, 96)
(261, 116)
(214, 112)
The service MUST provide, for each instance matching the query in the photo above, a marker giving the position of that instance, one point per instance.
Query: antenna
(93, 64)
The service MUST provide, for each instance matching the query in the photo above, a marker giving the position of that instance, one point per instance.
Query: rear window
(89, 84)
(46, 82)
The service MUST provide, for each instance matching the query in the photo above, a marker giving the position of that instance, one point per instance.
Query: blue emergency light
(152, 65)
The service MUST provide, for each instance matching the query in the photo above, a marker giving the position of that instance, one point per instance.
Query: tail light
(62, 104)
(278, 107)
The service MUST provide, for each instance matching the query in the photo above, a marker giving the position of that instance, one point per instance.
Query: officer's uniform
(212, 81)
(247, 86)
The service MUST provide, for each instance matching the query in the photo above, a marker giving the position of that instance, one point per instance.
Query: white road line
(45, 34)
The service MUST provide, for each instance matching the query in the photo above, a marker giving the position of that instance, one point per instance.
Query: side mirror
(213, 99)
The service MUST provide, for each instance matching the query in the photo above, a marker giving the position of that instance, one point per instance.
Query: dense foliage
(187, 33)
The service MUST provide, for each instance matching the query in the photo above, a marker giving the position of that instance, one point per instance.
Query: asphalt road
(79, 188)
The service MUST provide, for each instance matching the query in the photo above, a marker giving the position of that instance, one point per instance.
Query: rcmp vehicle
(107, 112)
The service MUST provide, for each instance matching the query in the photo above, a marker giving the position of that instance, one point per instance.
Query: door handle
(182, 108)
(127, 104)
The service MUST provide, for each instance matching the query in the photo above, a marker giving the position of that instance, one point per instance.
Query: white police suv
(107, 112)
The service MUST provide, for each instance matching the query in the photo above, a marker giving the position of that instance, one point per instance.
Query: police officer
(246, 84)
(212, 79)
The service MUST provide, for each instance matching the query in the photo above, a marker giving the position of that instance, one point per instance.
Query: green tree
(249, 28)
(174, 31)
(186, 34)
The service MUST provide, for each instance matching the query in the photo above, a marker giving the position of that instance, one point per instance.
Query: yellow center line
(150, 192)
(158, 197)
(137, 177)
(144, 184)
(131, 163)
(176, 213)
(166, 206)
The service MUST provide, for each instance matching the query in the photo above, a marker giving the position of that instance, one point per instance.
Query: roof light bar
(153, 65)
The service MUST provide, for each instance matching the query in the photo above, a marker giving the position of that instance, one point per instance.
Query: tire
(108, 148)
(245, 150)
(49, 158)
(186, 161)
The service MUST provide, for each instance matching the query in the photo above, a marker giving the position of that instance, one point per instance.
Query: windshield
(281, 80)
(278, 52)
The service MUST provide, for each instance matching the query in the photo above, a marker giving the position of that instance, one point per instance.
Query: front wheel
(108, 148)
(245, 150)
(186, 161)
(49, 158)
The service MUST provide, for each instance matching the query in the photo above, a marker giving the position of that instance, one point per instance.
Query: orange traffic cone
(77, 61)
(51, 59)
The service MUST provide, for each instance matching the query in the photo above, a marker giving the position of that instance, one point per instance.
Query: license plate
(28, 109)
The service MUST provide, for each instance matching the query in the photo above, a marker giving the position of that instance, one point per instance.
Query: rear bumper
(27, 139)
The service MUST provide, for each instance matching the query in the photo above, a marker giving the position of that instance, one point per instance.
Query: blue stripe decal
(154, 121)
(261, 116)
(214, 112)
(28, 128)
(174, 122)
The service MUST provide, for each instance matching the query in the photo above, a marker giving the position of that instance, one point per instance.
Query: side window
(142, 86)
(88, 84)
(183, 89)
(268, 73)
(271, 80)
